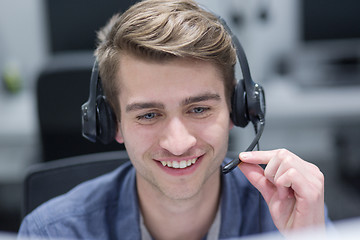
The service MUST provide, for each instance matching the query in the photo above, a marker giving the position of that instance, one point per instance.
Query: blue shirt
(107, 208)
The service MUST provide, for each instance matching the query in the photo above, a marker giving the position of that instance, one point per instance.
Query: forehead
(139, 78)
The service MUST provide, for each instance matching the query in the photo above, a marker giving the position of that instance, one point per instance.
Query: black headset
(247, 103)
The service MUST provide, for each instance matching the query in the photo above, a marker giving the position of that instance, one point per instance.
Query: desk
(18, 135)
(19, 147)
(288, 102)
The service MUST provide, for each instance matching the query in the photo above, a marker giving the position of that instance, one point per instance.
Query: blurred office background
(305, 53)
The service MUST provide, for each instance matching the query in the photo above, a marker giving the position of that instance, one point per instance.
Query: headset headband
(89, 108)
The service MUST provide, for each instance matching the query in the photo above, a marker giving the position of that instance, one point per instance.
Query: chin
(181, 194)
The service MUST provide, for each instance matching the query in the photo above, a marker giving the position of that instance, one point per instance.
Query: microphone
(231, 165)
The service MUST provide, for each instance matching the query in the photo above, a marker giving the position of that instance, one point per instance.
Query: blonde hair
(161, 30)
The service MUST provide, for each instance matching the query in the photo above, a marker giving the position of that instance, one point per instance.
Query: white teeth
(181, 164)
(175, 164)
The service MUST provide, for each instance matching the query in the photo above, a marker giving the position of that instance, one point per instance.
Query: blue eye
(148, 116)
(198, 110)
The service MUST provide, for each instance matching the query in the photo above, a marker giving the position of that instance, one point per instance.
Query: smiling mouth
(179, 164)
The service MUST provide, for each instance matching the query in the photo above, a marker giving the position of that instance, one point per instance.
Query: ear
(119, 136)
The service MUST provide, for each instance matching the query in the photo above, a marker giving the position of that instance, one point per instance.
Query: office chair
(46, 180)
(62, 87)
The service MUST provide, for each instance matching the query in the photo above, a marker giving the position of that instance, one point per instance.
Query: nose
(176, 137)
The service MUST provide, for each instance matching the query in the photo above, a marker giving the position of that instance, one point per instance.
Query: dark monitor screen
(330, 19)
(72, 24)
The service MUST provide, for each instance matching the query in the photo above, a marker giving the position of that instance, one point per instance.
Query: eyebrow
(146, 105)
(201, 98)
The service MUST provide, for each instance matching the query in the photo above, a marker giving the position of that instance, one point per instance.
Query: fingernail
(244, 155)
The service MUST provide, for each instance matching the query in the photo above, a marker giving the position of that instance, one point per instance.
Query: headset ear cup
(239, 113)
(105, 121)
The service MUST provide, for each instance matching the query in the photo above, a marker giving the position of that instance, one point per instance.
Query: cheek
(217, 133)
(138, 139)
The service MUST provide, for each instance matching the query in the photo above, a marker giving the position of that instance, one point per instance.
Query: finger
(303, 189)
(284, 192)
(255, 175)
(258, 157)
(271, 158)
(280, 161)
(314, 175)
(284, 161)
(272, 168)
(283, 164)
(309, 198)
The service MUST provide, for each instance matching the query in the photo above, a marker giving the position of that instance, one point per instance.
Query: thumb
(255, 174)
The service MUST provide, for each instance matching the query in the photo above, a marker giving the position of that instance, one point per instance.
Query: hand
(292, 187)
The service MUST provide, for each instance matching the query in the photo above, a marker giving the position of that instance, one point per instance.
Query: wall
(22, 37)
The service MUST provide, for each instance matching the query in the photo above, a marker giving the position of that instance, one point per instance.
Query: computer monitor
(72, 24)
(330, 20)
(329, 39)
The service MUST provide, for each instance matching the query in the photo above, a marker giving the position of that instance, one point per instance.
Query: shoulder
(89, 196)
(90, 204)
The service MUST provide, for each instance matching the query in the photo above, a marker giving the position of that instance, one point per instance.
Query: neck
(167, 218)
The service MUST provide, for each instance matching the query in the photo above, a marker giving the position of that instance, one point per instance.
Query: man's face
(174, 123)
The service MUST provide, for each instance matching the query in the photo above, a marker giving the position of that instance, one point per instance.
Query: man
(167, 69)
